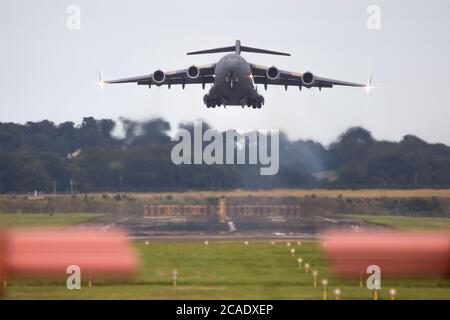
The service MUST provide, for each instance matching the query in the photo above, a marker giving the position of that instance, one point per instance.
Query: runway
(167, 229)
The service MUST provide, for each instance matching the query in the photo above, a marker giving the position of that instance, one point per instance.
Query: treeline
(45, 156)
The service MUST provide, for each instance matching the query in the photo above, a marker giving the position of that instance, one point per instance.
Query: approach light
(337, 293)
(315, 273)
(392, 293)
(307, 267)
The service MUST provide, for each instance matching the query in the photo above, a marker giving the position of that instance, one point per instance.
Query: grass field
(35, 219)
(405, 223)
(227, 270)
(332, 193)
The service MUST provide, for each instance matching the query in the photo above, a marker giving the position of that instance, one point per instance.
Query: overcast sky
(49, 72)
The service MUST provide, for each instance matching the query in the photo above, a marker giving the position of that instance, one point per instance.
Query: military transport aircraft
(234, 78)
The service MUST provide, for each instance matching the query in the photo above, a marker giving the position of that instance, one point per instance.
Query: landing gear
(212, 103)
(255, 103)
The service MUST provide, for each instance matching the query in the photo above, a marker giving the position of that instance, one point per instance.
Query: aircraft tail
(237, 48)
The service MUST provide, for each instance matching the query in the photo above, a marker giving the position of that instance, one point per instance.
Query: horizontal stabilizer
(237, 48)
(256, 50)
(217, 50)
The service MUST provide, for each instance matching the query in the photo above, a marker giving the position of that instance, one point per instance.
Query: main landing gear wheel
(212, 103)
(256, 103)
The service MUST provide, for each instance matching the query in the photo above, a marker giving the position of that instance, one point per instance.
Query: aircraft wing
(287, 78)
(204, 75)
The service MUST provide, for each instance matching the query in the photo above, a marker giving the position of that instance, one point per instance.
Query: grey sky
(49, 72)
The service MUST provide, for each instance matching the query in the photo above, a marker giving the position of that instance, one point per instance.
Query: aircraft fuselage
(233, 84)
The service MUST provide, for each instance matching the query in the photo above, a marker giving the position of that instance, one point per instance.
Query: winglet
(100, 82)
(369, 86)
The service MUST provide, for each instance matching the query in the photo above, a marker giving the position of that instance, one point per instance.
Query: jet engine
(159, 77)
(193, 72)
(308, 79)
(273, 73)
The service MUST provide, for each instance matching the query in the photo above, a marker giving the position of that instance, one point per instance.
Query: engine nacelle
(308, 79)
(159, 77)
(193, 72)
(273, 73)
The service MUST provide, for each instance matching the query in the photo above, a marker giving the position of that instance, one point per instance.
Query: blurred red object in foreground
(50, 252)
(397, 254)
